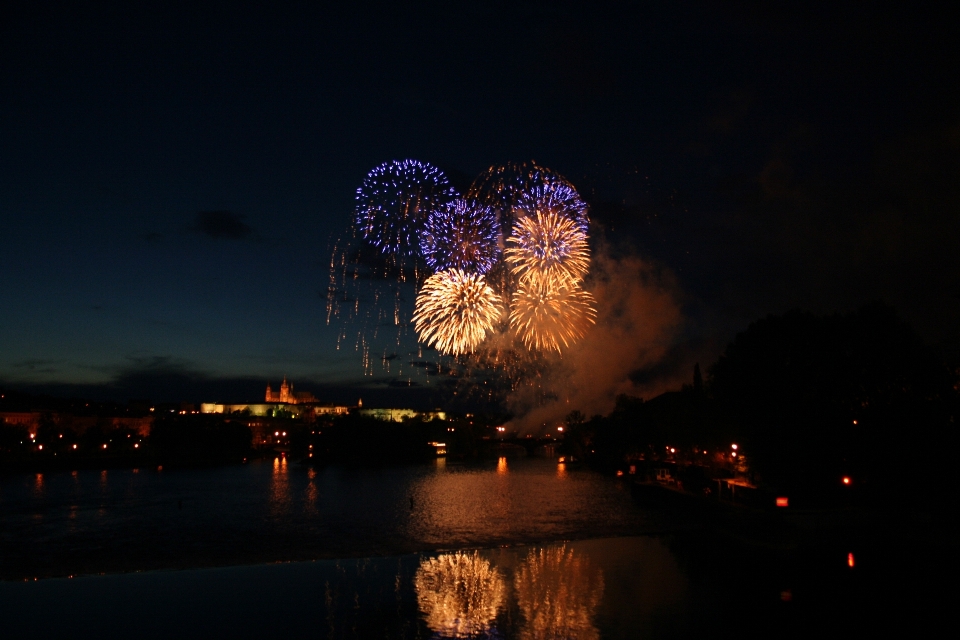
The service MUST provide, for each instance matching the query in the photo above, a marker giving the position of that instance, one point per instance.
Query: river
(505, 548)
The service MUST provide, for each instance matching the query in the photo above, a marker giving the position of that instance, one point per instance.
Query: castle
(287, 396)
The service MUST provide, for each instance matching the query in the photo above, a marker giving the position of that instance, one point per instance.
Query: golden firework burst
(548, 317)
(548, 246)
(454, 311)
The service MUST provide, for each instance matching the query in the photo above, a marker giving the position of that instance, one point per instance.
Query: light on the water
(558, 592)
(459, 594)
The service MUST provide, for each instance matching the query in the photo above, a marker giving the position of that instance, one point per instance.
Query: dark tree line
(808, 399)
(819, 396)
(199, 438)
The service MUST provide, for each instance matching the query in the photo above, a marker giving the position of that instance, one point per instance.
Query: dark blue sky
(770, 157)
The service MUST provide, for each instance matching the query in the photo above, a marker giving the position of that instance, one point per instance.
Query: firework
(461, 235)
(558, 593)
(407, 210)
(394, 201)
(549, 247)
(502, 186)
(459, 594)
(551, 318)
(454, 311)
(558, 197)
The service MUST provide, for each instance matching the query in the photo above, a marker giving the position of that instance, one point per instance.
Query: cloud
(222, 224)
(167, 379)
(36, 366)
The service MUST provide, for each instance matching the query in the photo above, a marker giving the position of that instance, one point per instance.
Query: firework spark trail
(551, 318)
(464, 234)
(454, 311)
(394, 201)
(369, 292)
(548, 247)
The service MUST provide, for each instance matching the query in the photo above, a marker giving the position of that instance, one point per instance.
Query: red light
(846, 479)
(849, 559)
(783, 502)
(619, 473)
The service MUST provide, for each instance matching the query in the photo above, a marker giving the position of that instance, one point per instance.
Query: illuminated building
(287, 396)
(399, 415)
(276, 409)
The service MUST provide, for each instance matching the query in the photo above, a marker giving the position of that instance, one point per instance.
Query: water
(511, 548)
(123, 520)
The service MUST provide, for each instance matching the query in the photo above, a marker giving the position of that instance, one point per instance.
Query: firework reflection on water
(558, 592)
(459, 594)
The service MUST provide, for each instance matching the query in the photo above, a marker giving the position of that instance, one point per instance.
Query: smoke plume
(638, 318)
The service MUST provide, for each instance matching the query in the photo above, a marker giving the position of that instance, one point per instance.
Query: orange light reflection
(558, 592)
(459, 594)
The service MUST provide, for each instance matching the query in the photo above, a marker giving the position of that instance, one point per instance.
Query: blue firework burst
(558, 197)
(462, 235)
(395, 200)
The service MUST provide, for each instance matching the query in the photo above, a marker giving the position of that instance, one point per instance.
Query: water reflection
(459, 594)
(562, 470)
(279, 487)
(38, 486)
(502, 466)
(122, 520)
(558, 592)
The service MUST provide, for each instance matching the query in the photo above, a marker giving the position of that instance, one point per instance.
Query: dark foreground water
(512, 548)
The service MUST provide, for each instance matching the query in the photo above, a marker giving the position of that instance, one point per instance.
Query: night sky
(172, 178)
